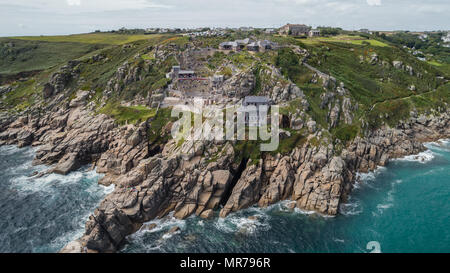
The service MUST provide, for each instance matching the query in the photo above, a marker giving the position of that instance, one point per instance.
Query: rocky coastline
(152, 182)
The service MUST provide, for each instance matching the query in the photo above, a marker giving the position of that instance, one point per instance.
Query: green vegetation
(19, 56)
(248, 149)
(23, 96)
(380, 93)
(288, 62)
(329, 31)
(153, 74)
(90, 38)
(216, 60)
(346, 39)
(345, 133)
(156, 135)
(432, 44)
(127, 115)
(241, 59)
(226, 71)
(296, 139)
(258, 85)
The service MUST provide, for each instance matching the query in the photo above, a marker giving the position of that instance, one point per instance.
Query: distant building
(261, 46)
(177, 73)
(239, 45)
(255, 101)
(294, 30)
(253, 47)
(253, 120)
(314, 32)
(365, 30)
(446, 38)
(269, 31)
(227, 45)
(423, 37)
(246, 28)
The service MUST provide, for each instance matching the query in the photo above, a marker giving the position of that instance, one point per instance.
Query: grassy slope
(128, 115)
(28, 53)
(374, 84)
(51, 55)
(377, 89)
(91, 38)
(348, 39)
(19, 55)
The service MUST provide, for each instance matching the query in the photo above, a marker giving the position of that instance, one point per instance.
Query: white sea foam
(304, 212)
(162, 224)
(12, 149)
(366, 179)
(108, 189)
(237, 222)
(422, 157)
(439, 146)
(351, 208)
(389, 200)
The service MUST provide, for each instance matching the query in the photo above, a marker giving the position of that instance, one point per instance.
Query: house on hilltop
(261, 46)
(314, 33)
(256, 46)
(294, 30)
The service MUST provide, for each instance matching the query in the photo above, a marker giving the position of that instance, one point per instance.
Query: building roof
(245, 41)
(186, 72)
(256, 99)
(232, 44)
(265, 43)
(297, 27)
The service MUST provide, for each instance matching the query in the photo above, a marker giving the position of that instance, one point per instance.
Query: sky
(53, 17)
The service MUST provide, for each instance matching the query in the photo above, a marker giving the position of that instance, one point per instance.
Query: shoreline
(362, 155)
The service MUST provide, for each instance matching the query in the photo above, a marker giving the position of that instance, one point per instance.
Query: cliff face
(315, 178)
(185, 180)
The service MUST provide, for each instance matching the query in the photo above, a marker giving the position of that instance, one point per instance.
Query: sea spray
(42, 214)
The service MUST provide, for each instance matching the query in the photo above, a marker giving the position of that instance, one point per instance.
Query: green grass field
(20, 55)
(91, 38)
(348, 39)
(443, 67)
(130, 115)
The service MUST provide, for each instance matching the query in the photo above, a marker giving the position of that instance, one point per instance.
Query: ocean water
(42, 214)
(404, 207)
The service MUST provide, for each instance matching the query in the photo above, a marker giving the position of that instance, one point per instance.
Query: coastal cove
(405, 199)
(43, 214)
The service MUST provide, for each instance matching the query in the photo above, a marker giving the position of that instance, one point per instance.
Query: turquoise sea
(404, 207)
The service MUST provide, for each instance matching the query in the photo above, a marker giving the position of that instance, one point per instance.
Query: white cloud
(58, 6)
(374, 2)
(57, 16)
(73, 2)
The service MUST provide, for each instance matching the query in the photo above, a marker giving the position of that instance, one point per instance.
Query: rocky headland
(183, 179)
(94, 111)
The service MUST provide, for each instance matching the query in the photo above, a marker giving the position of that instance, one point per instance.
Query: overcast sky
(48, 17)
